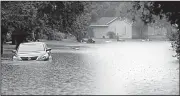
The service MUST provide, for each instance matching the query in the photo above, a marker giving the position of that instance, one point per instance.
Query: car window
(31, 47)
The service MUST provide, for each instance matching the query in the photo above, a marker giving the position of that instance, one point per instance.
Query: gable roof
(105, 21)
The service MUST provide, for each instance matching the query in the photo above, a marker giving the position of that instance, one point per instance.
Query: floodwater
(117, 68)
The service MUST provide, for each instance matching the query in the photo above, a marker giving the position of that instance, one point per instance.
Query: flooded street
(117, 68)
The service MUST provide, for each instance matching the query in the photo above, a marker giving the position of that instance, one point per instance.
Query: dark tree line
(44, 18)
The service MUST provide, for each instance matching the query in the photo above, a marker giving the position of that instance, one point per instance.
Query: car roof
(26, 43)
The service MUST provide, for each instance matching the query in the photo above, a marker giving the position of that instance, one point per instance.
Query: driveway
(116, 68)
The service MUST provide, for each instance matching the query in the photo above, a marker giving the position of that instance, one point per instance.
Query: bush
(43, 36)
(8, 37)
(172, 36)
(58, 36)
(111, 35)
(176, 44)
(52, 34)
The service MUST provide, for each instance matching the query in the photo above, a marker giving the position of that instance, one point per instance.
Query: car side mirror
(48, 49)
(14, 51)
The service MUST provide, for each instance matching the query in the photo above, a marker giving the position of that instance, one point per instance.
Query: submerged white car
(32, 51)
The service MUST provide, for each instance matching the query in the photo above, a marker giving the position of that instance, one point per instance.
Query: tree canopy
(165, 9)
(58, 15)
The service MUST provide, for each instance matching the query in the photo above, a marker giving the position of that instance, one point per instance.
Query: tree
(136, 12)
(23, 17)
(63, 16)
(80, 26)
(94, 16)
(169, 10)
(103, 9)
(36, 17)
(20, 15)
(4, 31)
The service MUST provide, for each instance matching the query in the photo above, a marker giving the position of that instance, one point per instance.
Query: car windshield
(31, 47)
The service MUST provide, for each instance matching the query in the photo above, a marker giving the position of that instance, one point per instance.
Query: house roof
(105, 21)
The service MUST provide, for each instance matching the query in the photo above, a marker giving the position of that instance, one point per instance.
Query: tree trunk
(3, 36)
(141, 33)
(33, 36)
(79, 39)
(20, 39)
(2, 40)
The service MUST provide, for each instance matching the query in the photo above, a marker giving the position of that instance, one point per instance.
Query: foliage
(21, 15)
(34, 17)
(81, 26)
(103, 9)
(111, 35)
(67, 17)
(17, 14)
(172, 35)
(169, 10)
(81, 23)
(172, 11)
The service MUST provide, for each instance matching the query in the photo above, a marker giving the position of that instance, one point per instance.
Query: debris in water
(142, 40)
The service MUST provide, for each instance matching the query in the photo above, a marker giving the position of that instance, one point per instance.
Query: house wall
(144, 32)
(136, 32)
(121, 28)
(99, 32)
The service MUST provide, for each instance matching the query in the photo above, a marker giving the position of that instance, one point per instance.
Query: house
(119, 26)
(126, 29)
